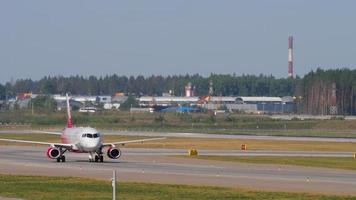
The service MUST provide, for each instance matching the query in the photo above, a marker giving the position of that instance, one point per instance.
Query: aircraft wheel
(101, 158)
(63, 159)
(96, 158)
(59, 159)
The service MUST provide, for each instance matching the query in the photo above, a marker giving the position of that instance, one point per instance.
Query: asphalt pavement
(160, 166)
(197, 135)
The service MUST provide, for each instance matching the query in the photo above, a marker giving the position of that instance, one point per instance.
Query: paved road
(201, 135)
(154, 165)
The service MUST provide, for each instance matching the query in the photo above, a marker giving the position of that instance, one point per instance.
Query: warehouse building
(268, 104)
(244, 104)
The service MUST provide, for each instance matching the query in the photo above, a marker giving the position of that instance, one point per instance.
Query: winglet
(69, 120)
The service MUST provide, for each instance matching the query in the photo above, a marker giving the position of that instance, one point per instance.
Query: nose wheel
(96, 158)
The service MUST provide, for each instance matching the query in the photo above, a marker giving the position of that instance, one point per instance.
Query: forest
(316, 92)
(313, 92)
(224, 85)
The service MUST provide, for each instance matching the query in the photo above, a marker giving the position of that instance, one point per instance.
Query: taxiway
(160, 166)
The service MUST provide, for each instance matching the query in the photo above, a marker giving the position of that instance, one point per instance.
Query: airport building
(232, 104)
(269, 104)
(168, 103)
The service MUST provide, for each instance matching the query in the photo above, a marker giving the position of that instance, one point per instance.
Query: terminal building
(169, 103)
(232, 104)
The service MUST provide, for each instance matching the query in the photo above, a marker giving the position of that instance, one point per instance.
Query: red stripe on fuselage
(78, 151)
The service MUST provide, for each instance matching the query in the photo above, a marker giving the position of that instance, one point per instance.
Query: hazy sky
(39, 38)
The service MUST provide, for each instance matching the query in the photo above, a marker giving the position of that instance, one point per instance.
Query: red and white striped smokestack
(290, 56)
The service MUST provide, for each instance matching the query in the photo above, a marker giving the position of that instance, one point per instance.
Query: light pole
(32, 105)
(113, 184)
(5, 98)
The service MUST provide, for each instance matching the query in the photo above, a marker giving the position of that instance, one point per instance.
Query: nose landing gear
(96, 157)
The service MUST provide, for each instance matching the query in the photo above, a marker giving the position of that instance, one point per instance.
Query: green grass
(326, 162)
(38, 187)
(201, 143)
(177, 122)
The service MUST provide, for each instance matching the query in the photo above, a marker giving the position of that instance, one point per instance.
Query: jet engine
(114, 153)
(53, 153)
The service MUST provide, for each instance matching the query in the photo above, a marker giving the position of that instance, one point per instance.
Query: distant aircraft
(80, 140)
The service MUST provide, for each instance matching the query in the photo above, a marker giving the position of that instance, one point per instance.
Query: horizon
(171, 75)
(165, 76)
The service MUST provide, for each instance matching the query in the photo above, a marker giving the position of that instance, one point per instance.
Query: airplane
(80, 140)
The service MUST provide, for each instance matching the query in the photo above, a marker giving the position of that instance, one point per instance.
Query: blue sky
(39, 38)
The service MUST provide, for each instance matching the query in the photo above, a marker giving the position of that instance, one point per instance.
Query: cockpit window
(88, 135)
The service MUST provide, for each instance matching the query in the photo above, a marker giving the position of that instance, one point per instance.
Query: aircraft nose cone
(91, 145)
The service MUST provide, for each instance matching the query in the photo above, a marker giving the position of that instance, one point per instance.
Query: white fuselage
(85, 139)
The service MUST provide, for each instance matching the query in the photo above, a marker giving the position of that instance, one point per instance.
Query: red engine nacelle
(53, 153)
(114, 153)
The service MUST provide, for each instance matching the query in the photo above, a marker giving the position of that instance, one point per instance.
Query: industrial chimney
(290, 56)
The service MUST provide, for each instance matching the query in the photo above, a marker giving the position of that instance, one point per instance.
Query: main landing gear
(61, 156)
(99, 158)
(96, 157)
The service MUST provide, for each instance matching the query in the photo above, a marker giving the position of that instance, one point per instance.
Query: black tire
(63, 159)
(59, 159)
(96, 158)
(101, 158)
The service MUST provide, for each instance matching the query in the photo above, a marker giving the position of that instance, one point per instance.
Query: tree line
(224, 85)
(313, 92)
(316, 92)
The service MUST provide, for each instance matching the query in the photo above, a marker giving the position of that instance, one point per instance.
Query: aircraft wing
(48, 132)
(67, 146)
(132, 141)
(30, 131)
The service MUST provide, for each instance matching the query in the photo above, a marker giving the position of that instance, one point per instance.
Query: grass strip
(40, 187)
(325, 162)
(203, 143)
